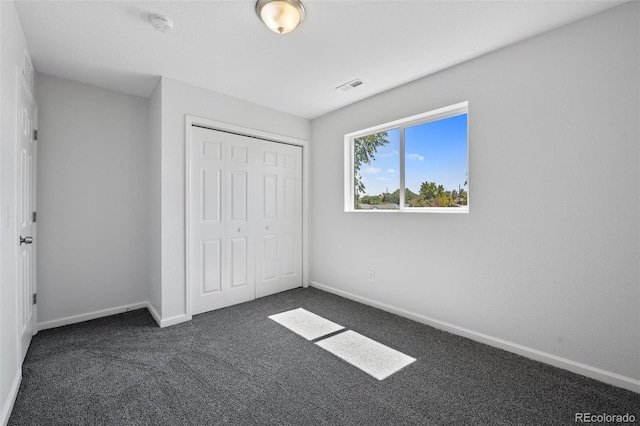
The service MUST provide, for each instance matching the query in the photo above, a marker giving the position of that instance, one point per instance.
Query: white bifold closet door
(245, 218)
(279, 203)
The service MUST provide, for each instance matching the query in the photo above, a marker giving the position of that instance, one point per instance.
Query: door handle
(26, 240)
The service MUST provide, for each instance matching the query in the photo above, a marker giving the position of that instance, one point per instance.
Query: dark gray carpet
(235, 366)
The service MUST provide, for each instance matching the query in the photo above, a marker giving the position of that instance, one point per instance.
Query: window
(417, 164)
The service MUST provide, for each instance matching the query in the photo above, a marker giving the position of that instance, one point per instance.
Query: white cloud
(416, 157)
(387, 155)
(371, 170)
(391, 171)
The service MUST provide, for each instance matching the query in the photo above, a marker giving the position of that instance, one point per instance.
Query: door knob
(26, 240)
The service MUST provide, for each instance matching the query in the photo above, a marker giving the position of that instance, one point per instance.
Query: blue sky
(434, 152)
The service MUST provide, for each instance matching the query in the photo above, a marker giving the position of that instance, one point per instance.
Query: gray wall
(546, 263)
(93, 164)
(154, 274)
(179, 99)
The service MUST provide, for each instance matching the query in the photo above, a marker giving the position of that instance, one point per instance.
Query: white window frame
(426, 117)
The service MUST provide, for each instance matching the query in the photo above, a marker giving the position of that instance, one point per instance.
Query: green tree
(463, 197)
(371, 199)
(364, 150)
(409, 196)
(428, 190)
(394, 197)
(433, 195)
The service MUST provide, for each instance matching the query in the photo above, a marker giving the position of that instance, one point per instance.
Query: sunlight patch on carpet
(373, 358)
(306, 324)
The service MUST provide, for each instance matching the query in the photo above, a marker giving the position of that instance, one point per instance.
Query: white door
(206, 221)
(279, 246)
(245, 218)
(221, 259)
(240, 205)
(26, 206)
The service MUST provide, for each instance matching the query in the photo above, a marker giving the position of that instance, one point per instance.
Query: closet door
(240, 206)
(291, 219)
(245, 218)
(279, 245)
(207, 219)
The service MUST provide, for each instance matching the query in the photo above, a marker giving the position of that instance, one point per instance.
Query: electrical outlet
(372, 276)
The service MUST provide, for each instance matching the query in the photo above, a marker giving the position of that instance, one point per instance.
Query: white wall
(12, 50)
(153, 214)
(546, 263)
(93, 172)
(178, 100)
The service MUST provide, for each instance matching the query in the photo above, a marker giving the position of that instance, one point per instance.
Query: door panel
(291, 199)
(26, 206)
(270, 196)
(240, 285)
(211, 149)
(238, 260)
(210, 195)
(279, 259)
(238, 153)
(206, 220)
(238, 193)
(291, 219)
(288, 254)
(270, 254)
(212, 267)
(270, 158)
(290, 161)
(27, 288)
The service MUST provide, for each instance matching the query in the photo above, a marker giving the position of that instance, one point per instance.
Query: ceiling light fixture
(280, 16)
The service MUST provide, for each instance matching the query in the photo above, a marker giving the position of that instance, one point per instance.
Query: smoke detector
(161, 23)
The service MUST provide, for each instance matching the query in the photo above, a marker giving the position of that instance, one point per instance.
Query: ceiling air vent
(350, 85)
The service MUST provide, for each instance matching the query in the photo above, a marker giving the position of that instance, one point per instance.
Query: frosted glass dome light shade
(280, 16)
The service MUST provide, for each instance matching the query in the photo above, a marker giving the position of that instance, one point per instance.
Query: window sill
(422, 210)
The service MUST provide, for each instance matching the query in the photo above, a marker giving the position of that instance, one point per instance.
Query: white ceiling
(223, 46)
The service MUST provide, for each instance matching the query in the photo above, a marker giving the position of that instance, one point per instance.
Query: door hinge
(35, 216)
(35, 134)
(35, 298)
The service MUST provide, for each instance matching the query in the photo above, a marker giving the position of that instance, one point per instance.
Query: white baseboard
(166, 322)
(156, 316)
(7, 405)
(556, 361)
(162, 322)
(90, 315)
(176, 319)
